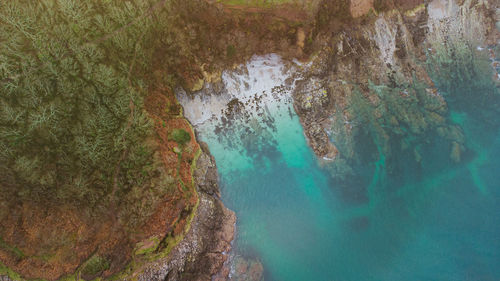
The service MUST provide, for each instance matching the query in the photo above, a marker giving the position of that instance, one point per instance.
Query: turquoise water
(434, 221)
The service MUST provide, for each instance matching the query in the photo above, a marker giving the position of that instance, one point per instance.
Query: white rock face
(250, 84)
(452, 24)
(441, 9)
(385, 37)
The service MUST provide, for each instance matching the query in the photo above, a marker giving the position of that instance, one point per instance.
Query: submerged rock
(377, 90)
(247, 270)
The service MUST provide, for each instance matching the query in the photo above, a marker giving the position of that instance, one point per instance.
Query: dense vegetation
(91, 137)
(73, 76)
(73, 79)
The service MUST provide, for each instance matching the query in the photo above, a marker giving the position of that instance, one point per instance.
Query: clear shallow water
(438, 223)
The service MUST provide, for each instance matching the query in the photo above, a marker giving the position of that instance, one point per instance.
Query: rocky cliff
(367, 66)
(204, 250)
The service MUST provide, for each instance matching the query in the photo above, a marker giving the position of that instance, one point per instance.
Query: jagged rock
(204, 250)
(391, 96)
(207, 172)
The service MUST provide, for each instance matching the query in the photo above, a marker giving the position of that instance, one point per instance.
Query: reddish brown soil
(55, 240)
(165, 122)
(225, 35)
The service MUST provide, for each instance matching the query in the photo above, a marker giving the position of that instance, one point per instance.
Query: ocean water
(439, 221)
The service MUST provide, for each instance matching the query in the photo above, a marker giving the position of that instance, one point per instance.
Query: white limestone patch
(441, 9)
(385, 37)
(257, 85)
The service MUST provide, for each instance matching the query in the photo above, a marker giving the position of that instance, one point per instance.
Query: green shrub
(231, 51)
(180, 136)
(95, 265)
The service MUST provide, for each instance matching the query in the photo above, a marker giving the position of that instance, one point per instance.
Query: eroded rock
(204, 250)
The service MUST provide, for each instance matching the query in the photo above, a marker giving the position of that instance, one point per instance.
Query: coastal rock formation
(369, 85)
(204, 249)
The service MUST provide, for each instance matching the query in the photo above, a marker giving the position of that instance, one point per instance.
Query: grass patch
(413, 12)
(4, 270)
(231, 51)
(140, 260)
(95, 265)
(148, 246)
(12, 249)
(180, 136)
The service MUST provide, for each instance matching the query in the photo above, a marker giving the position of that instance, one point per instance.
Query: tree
(73, 75)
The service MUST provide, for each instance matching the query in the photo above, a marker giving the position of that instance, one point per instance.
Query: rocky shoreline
(204, 250)
(386, 53)
(388, 56)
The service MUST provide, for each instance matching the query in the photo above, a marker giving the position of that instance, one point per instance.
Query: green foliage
(95, 265)
(5, 271)
(73, 75)
(12, 249)
(231, 51)
(148, 246)
(180, 136)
